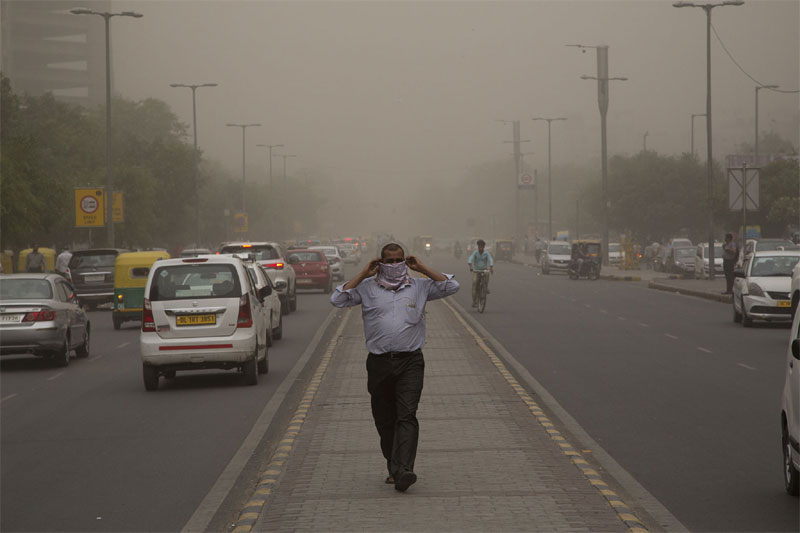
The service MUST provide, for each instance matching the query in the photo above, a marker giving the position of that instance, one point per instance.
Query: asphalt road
(681, 397)
(86, 448)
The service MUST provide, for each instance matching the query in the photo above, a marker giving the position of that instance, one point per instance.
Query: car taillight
(324, 267)
(148, 322)
(45, 315)
(245, 318)
(276, 266)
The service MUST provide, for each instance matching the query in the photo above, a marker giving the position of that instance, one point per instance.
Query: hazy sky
(388, 90)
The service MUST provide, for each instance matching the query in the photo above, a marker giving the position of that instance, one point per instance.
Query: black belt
(397, 355)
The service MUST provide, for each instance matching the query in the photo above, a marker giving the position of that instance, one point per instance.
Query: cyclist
(479, 260)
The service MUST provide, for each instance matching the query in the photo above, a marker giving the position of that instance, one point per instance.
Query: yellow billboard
(89, 208)
(117, 207)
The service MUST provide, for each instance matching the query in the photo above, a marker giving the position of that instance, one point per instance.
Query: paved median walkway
(488, 458)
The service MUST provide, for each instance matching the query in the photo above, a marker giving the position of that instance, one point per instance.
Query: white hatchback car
(761, 289)
(790, 413)
(556, 257)
(199, 313)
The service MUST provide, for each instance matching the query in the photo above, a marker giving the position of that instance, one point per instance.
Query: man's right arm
(346, 295)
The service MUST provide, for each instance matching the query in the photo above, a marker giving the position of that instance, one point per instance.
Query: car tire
(293, 302)
(277, 333)
(791, 476)
(82, 351)
(61, 356)
(746, 320)
(117, 323)
(286, 306)
(737, 316)
(150, 375)
(250, 370)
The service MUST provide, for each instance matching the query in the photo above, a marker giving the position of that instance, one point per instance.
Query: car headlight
(754, 289)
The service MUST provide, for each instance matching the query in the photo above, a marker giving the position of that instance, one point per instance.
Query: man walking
(730, 254)
(34, 262)
(393, 310)
(62, 261)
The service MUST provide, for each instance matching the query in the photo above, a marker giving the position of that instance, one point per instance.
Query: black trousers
(727, 268)
(395, 386)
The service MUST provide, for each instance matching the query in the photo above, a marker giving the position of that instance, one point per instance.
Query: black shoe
(405, 480)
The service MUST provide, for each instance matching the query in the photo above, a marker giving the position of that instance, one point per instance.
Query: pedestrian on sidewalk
(393, 310)
(730, 254)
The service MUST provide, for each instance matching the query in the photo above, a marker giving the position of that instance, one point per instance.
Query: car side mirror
(264, 291)
(796, 348)
(738, 273)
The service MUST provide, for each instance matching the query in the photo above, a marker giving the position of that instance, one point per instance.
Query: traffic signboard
(89, 208)
(240, 223)
(525, 181)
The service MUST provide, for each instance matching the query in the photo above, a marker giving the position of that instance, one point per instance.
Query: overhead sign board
(89, 208)
(743, 189)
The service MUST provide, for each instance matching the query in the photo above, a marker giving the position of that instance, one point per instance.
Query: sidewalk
(701, 288)
(489, 459)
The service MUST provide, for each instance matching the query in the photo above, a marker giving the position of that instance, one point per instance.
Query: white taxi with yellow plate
(761, 289)
(201, 313)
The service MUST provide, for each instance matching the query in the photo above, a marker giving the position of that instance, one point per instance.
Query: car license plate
(11, 318)
(305, 281)
(784, 303)
(94, 278)
(196, 320)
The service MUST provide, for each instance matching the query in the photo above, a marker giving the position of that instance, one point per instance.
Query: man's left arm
(441, 285)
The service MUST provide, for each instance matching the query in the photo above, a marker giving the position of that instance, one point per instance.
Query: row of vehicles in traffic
(185, 304)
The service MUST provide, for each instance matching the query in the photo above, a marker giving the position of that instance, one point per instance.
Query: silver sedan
(40, 315)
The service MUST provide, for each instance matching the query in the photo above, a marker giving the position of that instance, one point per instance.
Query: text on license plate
(195, 320)
(305, 281)
(11, 318)
(95, 278)
(784, 303)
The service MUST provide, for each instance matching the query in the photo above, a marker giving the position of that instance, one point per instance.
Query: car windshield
(92, 260)
(193, 281)
(684, 252)
(262, 251)
(301, 257)
(779, 265)
(559, 249)
(25, 289)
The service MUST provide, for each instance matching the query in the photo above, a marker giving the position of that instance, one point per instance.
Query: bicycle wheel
(482, 295)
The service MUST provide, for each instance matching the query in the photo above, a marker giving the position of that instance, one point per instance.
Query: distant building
(45, 49)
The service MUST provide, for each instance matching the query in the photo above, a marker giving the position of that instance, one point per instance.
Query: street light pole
(109, 194)
(710, 163)
(270, 147)
(644, 141)
(194, 88)
(244, 144)
(602, 100)
(693, 116)
(515, 229)
(549, 177)
(755, 146)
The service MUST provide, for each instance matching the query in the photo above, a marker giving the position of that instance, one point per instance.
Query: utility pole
(693, 117)
(516, 235)
(244, 145)
(549, 176)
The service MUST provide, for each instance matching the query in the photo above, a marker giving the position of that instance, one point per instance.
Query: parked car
(701, 260)
(681, 260)
(790, 412)
(271, 256)
(92, 274)
(311, 269)
(615, 253)
(335, 261)
(761, 289)
(556, 257)
(40, 315)
(199, 313)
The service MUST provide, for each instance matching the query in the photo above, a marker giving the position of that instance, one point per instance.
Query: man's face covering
(392, 276)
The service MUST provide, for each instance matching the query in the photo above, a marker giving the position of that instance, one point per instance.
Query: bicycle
(483, 280)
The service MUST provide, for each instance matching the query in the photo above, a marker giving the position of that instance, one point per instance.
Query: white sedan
(761, 289)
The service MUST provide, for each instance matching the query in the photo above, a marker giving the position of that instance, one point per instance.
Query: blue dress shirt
(394, 321)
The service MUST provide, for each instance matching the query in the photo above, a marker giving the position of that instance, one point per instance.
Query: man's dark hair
(729, 235)
(481, 242)
(391, 247)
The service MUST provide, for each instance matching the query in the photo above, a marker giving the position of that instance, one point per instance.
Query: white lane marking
(587, 306)
(644, 325)
(621, 318)
(604, 311)
(124, 344)
(706, 350)
(51, 378)
(748, 367)
(673, 337)
(95, 358)
(8, 397)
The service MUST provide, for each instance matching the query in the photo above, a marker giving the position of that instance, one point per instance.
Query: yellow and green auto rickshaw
(7, 261)
(49, 258)
(130, 276)
(503, 249)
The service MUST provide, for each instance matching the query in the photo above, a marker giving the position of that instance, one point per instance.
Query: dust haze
(392, 108)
